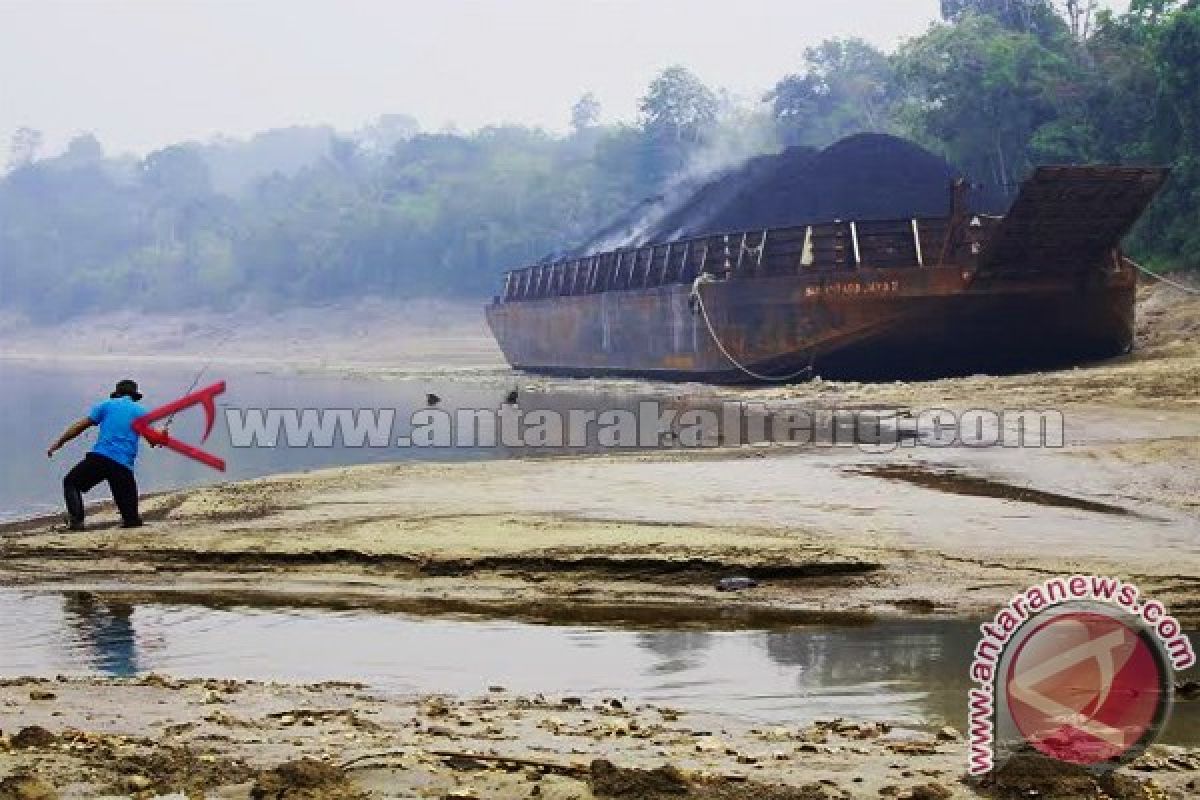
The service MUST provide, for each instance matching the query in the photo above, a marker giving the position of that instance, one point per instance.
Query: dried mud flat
(828, 534)
(155, 737)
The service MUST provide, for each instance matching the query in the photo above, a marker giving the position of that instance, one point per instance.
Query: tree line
(307, 215)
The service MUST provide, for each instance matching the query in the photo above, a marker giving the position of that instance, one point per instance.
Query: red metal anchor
(201, 397)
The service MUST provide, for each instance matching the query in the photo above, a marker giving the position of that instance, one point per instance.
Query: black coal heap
(863, 177)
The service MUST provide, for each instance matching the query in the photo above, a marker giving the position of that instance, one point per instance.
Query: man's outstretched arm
(73, 430)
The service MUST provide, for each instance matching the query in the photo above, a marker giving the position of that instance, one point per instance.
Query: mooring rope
(1181, 287)
(696, 284)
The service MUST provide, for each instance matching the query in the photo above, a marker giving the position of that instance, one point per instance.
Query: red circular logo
(1087, 687)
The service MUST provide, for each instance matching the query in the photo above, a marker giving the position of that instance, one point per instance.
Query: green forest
(308, 215)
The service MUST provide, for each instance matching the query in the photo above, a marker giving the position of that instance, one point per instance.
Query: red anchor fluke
(200, 397)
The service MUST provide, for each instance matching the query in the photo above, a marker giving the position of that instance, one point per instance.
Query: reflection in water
(905, 672)
(680, 650)
(902, 650)
(928, 657)
(106, 629)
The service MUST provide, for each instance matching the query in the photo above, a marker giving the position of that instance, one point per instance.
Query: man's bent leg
(125, 494)
(83, 477)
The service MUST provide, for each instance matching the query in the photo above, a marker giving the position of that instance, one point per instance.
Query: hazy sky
(144, 73)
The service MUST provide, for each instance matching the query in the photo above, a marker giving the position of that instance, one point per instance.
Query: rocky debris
(507, 745)
(737, 787)
(948, 734)
(1164, 759)
(667, 782)
(26, 786)
(1033, 775)
(913, 747)
(41, 695)
(308, 717)
(154, 679)
(137, 783)
(736, 583)
(157, 765)
(930, 791)
(33, 736)
(607, 780)
(305, 779)
(435, 707)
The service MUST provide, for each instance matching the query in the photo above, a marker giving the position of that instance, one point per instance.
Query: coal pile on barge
(870, 176)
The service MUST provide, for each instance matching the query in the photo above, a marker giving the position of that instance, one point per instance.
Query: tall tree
(846, 86)
(1025, 16)
(979, 91)
(24, 147)
(678, 106)
(83, 150)
(677, 110)
(585, 114)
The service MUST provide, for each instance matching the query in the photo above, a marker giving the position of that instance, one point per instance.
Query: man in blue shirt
(110, 460)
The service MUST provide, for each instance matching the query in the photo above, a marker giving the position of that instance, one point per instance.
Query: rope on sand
(1181, 287)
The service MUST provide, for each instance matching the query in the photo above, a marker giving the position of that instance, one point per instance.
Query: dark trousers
(84, 477)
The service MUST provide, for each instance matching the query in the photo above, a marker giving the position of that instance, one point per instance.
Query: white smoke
(744, 129)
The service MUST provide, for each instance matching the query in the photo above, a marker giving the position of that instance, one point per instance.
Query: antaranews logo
(1079, 669)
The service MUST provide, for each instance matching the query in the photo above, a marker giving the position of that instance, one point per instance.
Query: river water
(39, 401)
(909, 672)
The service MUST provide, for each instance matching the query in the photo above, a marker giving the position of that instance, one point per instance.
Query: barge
(1043, 286)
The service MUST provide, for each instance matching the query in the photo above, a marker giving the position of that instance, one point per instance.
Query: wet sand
(825, 532)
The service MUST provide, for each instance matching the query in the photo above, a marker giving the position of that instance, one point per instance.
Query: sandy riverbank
(153, 736)
(637, 538)
(830, 530)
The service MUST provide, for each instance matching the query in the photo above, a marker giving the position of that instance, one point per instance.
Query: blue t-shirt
(118, 440)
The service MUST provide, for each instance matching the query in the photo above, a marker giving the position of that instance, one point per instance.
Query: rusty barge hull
(1043, 287)
(877, 324)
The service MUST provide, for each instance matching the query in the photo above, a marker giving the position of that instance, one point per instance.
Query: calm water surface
(39, 401)
(909, 672)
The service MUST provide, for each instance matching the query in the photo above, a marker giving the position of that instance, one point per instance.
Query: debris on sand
(159, 766)
(930, 791)
(607, 780)
(667, 782)
(26, 786)
(33, 736)
(736, 583)
(948, 733)
(1032, 775)
(305, 779)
